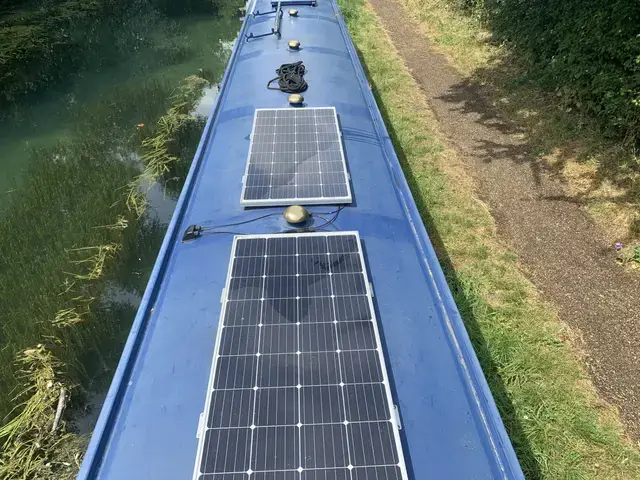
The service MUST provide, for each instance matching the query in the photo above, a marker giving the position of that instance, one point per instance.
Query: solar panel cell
(366, 402)
(352, 308)
(313, 264)
(356, 336)
(279, 339)
(231, 409)
(278, 370)
(239, 341)
(281, 266)
(315, 285)
(243, 313)
(322, 404)
(252, 247)
(338, 474)
(371, 443)
(298, 388)
(325, 446)
(235, 372)
(360, 367)
(281, 246)
(274, 476)
(227, 450)
(275, 448)
(379, 473)
(245, 288)
(322, 368)
(225, 476)
(282, 310)
(316, 310)
(318, 337)
(276, 406)
(248, 267)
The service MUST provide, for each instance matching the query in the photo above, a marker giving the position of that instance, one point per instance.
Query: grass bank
(598, 171)
(559, 427)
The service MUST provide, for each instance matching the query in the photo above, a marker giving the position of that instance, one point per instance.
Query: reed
(32, 431)
(162, 151)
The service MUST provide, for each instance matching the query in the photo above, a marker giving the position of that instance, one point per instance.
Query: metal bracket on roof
(191, 233)
(291, 3)
(258, 13)
(275, 30)
(200, 430)
(397, 415)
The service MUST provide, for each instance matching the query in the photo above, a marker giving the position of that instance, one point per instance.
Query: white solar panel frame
(393, 414)
(269, 202)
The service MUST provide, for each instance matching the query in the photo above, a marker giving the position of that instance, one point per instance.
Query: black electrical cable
(206, 228)
(198, 230)
(327, 223)
(226, 232)
(327, 213)
(211, 227)
(330, 221)
(290, 78)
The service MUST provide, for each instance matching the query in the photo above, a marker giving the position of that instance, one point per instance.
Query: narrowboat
(297, 323)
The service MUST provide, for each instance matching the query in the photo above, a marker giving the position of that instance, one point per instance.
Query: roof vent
(296, 99)
(295, 214)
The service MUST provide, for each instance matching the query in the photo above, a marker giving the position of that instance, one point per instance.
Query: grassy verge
(556, 422)
(601, 173)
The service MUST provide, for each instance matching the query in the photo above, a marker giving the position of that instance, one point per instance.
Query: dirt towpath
(561, 248)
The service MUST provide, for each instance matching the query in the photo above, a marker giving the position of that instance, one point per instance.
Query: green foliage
(630, 255)
(588, 51)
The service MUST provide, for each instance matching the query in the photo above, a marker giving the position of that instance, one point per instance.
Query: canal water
(193, 43)
(102, 109)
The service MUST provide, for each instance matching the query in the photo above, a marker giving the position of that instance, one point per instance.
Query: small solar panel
(298, 387)
(295, 157)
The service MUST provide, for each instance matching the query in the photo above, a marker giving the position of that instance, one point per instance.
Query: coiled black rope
(290, 78)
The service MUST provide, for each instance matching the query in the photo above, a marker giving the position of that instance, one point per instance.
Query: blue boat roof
(450, 425)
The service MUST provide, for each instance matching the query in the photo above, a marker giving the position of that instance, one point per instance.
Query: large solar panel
(298, 387)
(295, 157)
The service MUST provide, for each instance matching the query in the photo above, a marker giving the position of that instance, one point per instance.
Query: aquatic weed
(65, 184)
